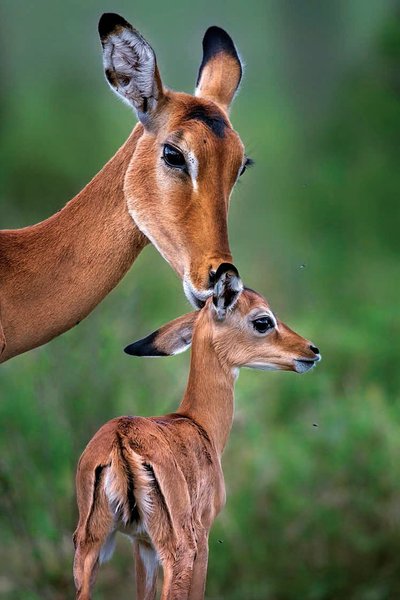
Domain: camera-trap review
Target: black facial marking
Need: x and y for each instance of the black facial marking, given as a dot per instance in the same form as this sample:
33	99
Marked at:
145	102
217	40
108	22
145	347
215	121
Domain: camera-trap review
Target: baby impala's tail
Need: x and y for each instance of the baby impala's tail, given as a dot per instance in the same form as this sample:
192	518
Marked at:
127	484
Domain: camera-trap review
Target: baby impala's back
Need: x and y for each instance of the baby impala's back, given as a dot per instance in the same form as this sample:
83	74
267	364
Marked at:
143	461
159	479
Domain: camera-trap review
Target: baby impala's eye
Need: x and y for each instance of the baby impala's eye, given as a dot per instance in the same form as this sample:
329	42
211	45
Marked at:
173	157
263	324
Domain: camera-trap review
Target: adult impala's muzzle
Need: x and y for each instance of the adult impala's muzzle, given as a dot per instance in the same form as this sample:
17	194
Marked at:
197	297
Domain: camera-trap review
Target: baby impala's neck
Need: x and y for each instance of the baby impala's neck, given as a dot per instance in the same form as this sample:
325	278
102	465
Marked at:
209	395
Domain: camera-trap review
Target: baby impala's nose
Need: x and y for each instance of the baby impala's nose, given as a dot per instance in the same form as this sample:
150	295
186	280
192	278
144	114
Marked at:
314	349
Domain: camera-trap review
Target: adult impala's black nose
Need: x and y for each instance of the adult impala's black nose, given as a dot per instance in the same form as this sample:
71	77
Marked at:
314	349
211	277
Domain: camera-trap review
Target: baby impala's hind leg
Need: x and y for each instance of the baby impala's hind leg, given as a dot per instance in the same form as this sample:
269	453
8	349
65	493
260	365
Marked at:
94	535
90	550
85	568
146	568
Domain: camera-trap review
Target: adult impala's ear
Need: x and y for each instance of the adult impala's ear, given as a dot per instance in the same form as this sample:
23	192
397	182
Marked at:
172	338
130	66
221	70
227	289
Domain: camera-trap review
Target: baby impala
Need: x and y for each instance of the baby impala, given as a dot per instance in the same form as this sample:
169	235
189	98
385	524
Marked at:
159	479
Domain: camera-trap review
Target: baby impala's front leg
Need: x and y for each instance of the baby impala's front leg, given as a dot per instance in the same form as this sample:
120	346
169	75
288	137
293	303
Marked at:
198	585
178	572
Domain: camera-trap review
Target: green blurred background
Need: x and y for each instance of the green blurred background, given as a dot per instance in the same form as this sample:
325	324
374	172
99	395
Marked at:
312	466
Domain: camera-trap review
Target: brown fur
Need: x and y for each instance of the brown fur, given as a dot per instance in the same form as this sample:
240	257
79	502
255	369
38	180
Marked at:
53	274
175	460
220	79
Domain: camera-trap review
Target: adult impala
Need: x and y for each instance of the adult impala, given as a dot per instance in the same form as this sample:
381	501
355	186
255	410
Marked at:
159	479
169	184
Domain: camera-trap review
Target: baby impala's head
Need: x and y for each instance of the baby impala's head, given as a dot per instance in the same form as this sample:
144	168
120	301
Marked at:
241	328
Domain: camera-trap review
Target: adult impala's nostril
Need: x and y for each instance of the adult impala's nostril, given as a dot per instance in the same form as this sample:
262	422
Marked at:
314	349
211	277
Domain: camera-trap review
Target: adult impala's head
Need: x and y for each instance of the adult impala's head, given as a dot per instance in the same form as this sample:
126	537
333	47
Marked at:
241	327
181	174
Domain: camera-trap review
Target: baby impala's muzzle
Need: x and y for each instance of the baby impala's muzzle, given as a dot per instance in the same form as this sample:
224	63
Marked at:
302	365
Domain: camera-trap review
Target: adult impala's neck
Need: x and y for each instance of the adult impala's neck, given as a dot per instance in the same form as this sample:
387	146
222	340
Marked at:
54	273
209	395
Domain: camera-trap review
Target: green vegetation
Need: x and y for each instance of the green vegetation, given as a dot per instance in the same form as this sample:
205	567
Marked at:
312	466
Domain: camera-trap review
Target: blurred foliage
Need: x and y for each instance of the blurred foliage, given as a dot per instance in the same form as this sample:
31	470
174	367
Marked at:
312	468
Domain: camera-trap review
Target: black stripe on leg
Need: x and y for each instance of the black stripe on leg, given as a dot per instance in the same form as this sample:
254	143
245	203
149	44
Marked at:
96	486
132	506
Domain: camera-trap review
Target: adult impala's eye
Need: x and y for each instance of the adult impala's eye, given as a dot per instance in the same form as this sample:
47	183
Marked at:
263	324
173	157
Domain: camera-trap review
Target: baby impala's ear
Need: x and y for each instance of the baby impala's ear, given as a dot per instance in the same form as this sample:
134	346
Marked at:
227	289
130	67
172	338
